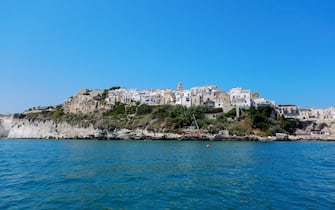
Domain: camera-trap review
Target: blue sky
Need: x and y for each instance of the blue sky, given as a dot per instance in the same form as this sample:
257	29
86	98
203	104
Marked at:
49	50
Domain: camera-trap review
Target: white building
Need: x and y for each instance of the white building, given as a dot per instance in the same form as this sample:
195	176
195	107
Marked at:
323	114
262	102
240	97
168	97
288	110
155	97
222	99
204	89
116	96
183	98
305	113
210	96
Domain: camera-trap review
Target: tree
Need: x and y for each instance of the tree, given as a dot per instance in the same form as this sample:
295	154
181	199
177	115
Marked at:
115	88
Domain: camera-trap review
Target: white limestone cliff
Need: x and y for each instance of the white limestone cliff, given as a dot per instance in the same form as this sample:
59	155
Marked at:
5	125
23	128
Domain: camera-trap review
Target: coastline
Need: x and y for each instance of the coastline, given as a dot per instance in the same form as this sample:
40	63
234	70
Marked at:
125	134
44	128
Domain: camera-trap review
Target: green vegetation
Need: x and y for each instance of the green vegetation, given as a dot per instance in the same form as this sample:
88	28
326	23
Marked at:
117	110
231	113
58	113
179	116
115	88
143	109
261	121
264	121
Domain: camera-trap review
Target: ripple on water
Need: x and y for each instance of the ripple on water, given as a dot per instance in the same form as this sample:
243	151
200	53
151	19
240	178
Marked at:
166	175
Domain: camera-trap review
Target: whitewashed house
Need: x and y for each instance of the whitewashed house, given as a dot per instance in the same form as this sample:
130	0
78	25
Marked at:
168	97
155	97
183	98
222	99
240	97
305	113
288	110
116	96
262	102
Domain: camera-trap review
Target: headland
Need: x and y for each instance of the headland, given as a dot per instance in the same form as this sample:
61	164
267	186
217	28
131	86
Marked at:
201	113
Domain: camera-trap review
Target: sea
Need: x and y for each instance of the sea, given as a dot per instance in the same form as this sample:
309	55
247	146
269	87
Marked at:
98	174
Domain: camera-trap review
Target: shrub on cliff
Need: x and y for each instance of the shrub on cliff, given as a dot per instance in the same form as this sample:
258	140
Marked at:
143	109
231	114
118	109
162	111
289	125
262	117
57	113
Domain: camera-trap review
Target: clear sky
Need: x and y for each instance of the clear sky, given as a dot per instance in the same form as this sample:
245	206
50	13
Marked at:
50	49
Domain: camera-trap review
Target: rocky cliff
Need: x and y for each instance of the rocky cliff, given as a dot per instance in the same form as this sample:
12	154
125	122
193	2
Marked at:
24	128
16	127
49	129
5	125
86	101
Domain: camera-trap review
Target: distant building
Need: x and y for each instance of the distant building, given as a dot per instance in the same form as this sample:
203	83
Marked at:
116	96
209	95
222	99
168	97
254	95
240	97
288	110
262	102
306	113
183	98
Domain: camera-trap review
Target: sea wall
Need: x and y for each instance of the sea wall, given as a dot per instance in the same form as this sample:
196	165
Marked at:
5	125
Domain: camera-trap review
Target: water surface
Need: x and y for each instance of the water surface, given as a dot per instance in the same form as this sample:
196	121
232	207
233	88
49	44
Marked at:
75	174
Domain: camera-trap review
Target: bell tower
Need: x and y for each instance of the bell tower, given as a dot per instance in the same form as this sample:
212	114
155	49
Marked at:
180	86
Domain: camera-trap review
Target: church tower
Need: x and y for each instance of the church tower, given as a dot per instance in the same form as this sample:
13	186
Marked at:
180	87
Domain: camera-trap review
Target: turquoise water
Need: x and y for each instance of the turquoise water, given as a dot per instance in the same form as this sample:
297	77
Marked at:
75	174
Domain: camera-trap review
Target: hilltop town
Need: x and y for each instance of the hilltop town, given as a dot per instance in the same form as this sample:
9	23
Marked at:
210	96
207	109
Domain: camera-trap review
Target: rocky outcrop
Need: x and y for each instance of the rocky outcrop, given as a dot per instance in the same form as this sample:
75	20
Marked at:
86	101
140	134
5	125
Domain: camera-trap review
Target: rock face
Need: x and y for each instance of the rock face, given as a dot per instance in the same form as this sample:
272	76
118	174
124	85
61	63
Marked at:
86	101
23	128
48	129
5	125
18	126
